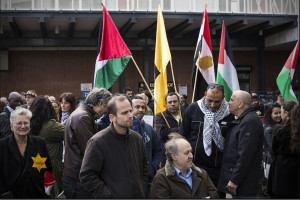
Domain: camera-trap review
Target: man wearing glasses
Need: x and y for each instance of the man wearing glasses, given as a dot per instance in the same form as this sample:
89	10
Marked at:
204	125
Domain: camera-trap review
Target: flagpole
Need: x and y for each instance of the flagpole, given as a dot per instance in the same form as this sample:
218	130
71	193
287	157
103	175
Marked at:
150	91
175	86
195	82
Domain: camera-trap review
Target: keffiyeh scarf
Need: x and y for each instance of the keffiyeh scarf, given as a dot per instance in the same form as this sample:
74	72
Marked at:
211	129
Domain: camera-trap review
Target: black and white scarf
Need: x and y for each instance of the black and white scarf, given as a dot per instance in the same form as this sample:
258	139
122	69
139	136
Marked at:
64	117
211	129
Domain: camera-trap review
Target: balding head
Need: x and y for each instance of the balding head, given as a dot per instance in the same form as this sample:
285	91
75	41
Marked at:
14	100
239	102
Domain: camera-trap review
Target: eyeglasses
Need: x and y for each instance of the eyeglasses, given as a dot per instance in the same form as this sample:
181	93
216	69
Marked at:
64	103
213	85
19	124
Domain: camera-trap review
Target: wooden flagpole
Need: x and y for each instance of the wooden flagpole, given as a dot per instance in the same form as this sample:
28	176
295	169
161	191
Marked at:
175	87
195	81
150	91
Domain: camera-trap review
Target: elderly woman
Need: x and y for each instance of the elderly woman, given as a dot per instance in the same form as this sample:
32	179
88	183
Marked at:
23	160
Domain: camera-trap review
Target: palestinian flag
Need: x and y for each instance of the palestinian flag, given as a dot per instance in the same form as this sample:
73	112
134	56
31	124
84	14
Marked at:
226	74
114	54
286	75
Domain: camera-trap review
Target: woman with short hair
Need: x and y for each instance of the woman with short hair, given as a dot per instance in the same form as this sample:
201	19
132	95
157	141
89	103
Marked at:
23	160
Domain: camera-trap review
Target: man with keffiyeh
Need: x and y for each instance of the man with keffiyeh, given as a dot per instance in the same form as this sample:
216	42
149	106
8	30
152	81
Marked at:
204	125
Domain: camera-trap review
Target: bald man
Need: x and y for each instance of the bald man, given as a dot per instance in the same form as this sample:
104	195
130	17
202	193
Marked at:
14	100
240	171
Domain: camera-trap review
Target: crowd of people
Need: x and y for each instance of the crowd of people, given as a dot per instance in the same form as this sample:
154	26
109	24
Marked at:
112	146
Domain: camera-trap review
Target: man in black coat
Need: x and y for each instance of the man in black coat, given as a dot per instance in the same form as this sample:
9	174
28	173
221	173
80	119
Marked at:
243	149
204	125
115	164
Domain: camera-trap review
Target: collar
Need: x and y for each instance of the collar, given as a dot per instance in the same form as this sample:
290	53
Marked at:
91	110
117	135
170	170
9	109
246	112
179	173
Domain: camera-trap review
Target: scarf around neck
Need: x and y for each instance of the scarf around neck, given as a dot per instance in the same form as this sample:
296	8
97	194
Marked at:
64	117
211	129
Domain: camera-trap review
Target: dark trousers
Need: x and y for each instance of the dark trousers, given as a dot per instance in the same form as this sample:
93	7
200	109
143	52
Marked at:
74	190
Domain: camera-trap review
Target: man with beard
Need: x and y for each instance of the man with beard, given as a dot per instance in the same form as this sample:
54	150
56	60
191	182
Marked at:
173	118
204	125
14	100
114	164
180	178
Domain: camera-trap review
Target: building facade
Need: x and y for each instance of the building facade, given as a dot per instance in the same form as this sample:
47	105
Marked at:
51	45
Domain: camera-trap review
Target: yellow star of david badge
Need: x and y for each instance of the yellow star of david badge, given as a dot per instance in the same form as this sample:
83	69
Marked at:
39	162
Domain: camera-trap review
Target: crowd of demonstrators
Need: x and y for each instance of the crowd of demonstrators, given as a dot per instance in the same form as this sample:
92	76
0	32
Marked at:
205	124
283	181
112	152
23	160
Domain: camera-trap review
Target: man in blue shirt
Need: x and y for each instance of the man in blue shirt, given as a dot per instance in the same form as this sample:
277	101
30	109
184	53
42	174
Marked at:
180	178
150	137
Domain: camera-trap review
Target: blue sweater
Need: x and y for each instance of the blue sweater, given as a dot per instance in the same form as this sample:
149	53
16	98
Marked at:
153	146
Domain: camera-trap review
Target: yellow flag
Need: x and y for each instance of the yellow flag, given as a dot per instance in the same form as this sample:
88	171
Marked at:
162	57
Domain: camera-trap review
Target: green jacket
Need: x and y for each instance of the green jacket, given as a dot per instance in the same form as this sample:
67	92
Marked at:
53	132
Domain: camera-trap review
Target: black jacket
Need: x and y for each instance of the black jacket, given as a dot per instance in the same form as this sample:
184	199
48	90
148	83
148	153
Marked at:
192	129
4	123
268	133
162	127
242	155
283	181
114	165
12	165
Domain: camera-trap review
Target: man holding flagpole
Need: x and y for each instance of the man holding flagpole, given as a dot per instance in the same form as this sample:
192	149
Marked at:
206	121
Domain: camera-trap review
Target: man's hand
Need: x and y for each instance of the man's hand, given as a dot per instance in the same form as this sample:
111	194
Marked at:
231	187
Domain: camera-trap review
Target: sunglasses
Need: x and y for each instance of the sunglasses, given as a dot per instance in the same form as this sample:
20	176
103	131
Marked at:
213	85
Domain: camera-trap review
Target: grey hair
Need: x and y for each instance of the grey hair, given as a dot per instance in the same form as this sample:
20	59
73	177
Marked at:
20	111
13	95
98	95
171	145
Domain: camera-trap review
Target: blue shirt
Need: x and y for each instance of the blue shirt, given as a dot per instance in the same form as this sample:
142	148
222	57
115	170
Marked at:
187	178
